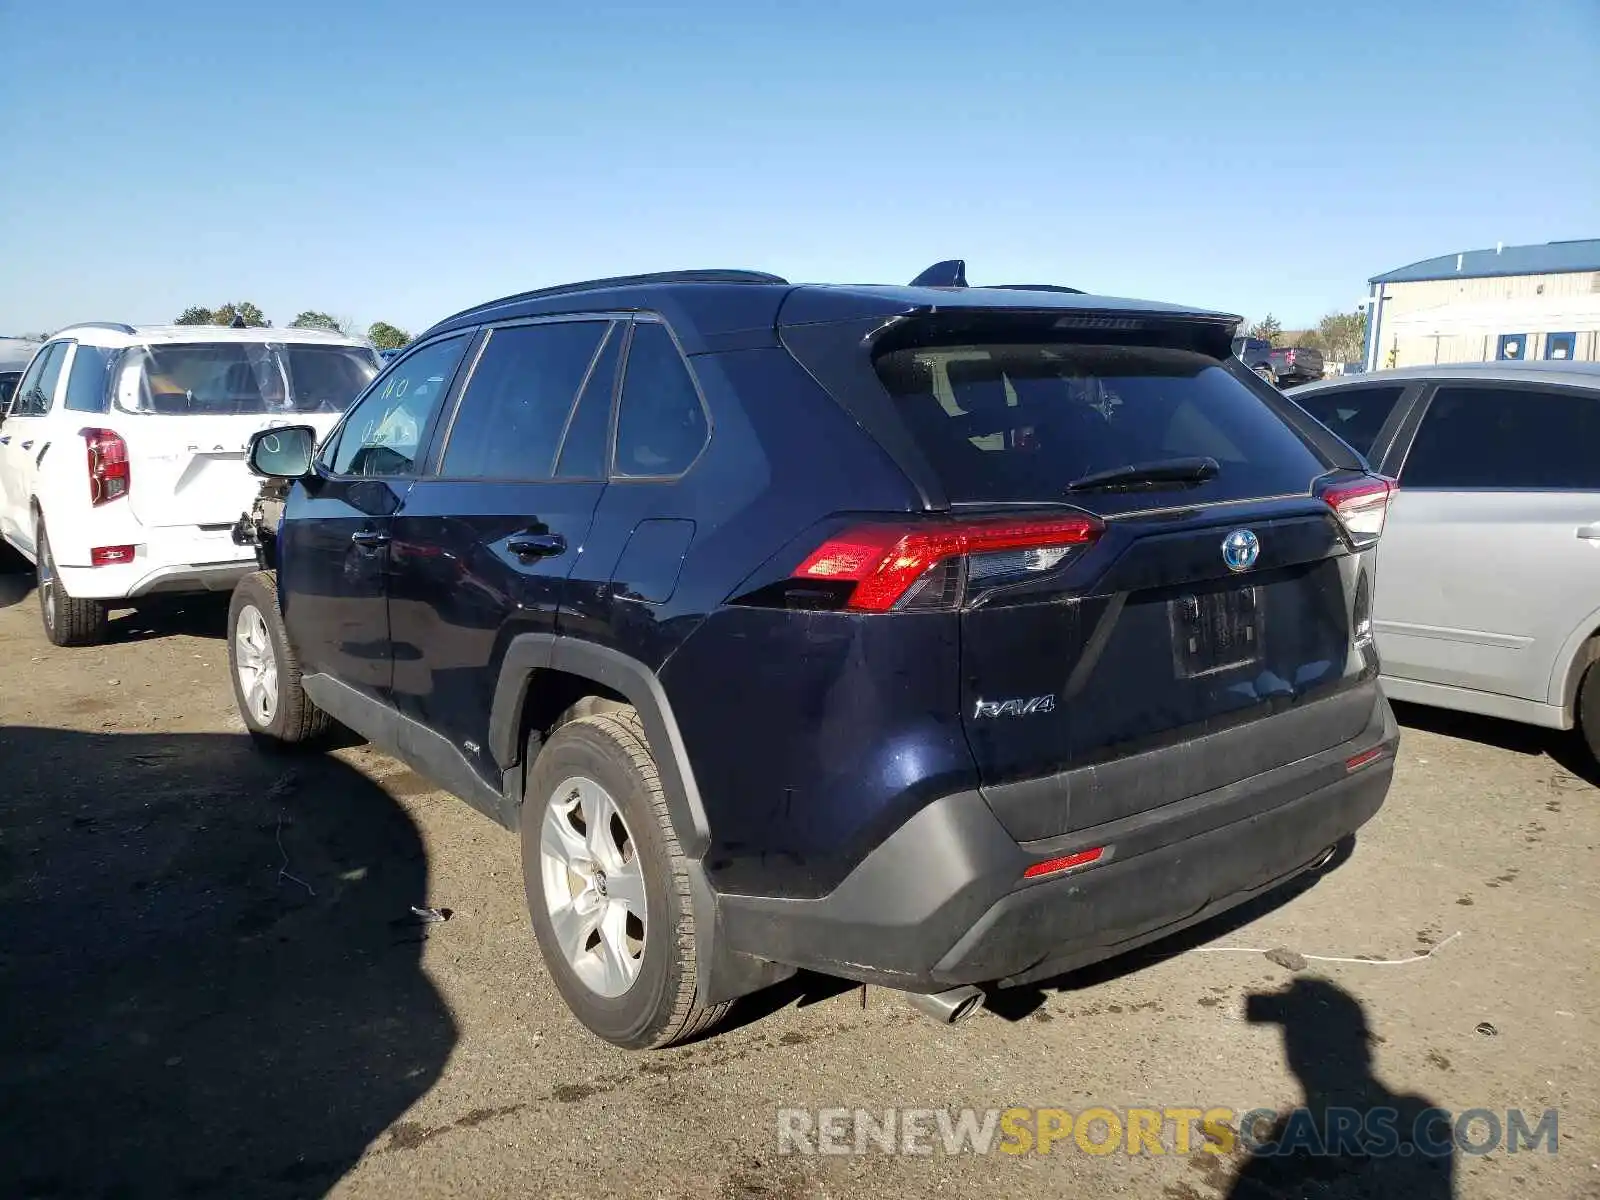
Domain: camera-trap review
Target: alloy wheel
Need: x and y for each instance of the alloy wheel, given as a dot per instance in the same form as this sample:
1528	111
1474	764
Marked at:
594	886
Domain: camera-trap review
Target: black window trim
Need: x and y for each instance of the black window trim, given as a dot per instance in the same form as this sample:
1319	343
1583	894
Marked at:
1419	414
615	476
435	459
323	463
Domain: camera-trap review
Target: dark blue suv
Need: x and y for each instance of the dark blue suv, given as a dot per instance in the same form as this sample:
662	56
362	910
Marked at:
935	636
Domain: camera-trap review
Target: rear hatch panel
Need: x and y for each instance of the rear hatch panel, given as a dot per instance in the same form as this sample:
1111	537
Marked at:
1148	639
1158	645
191	470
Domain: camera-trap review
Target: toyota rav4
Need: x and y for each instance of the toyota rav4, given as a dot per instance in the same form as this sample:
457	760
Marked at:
938	637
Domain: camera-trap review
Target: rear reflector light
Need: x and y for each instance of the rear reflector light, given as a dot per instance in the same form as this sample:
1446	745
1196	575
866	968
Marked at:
1361	507
109	476
930	566
1363	759
1051	866
106	556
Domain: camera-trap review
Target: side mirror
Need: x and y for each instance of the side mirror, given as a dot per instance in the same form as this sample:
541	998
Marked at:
283	453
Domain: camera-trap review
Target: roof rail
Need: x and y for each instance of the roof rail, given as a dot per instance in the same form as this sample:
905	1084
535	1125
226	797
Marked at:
114	326
1034	287
619	281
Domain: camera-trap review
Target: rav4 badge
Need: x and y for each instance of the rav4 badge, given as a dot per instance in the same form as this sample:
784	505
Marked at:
1014	708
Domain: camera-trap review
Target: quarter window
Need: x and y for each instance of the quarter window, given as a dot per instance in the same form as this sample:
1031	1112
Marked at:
511	416
1356	414
1507	438
661	424
89	381
383	434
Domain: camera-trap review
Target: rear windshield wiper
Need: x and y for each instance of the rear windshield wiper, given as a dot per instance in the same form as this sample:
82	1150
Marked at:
1135	476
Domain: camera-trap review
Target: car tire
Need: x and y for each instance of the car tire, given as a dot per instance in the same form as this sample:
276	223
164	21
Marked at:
68	621
626	955
1589	709
265	669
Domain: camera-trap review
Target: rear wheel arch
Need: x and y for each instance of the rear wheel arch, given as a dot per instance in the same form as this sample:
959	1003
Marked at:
583	669
1582	649
608	676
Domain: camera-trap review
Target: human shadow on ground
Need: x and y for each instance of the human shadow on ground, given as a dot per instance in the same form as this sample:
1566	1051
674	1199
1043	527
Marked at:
211	966
1353	1139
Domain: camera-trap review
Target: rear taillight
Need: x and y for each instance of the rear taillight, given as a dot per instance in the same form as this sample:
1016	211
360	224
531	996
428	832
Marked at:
109	477
1361	507
939	565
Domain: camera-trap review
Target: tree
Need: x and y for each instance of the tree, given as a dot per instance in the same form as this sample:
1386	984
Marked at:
1267	329
195	315
387	337
317	320
1343	336
254	318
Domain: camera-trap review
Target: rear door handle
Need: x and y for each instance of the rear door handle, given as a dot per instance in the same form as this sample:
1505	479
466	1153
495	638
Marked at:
28	445
1590	532
6	440
369	537
537	545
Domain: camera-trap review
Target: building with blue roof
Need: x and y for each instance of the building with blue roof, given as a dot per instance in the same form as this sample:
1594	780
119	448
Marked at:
1508	302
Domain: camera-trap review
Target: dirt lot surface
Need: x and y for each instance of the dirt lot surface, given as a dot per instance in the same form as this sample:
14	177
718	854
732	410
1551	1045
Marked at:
214	986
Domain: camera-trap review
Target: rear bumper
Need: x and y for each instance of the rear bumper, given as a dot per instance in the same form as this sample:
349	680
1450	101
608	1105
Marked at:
166	561
943	901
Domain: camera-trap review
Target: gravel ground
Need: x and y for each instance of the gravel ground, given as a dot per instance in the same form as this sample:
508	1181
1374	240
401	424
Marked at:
216	988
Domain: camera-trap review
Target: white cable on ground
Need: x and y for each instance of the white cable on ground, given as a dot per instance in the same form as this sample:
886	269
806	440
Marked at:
283	871
1364	962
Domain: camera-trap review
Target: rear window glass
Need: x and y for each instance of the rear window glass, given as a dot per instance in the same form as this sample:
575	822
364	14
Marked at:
241	378
1021	421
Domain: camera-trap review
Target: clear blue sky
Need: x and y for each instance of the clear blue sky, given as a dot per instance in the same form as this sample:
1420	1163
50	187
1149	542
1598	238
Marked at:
399	161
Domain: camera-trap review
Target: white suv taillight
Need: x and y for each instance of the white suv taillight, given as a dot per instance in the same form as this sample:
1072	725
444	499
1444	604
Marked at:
1361	506
109	476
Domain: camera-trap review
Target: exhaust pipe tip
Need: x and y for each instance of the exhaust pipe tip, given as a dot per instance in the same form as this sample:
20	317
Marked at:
1326	857
947	1007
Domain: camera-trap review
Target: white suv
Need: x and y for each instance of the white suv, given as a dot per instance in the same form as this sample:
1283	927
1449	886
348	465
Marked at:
122	455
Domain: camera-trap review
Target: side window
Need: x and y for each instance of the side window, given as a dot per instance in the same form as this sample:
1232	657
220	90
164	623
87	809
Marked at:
1506	438
583	446
383	433
38	387
88	383
661	424
1356	414
509	421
